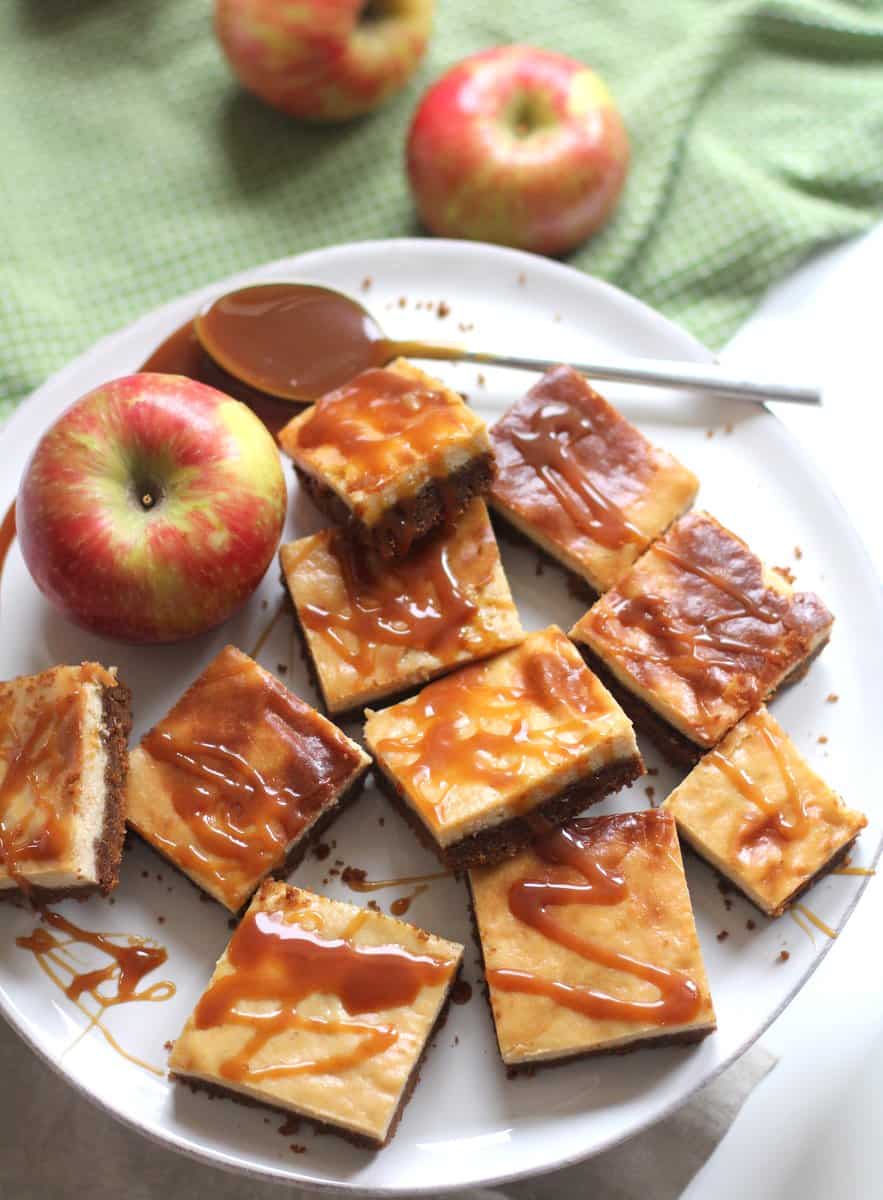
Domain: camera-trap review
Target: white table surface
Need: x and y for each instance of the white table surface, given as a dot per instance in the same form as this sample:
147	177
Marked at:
812	1130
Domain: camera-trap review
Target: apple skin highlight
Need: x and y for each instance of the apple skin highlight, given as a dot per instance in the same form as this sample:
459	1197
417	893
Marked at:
151	509
324	60
518	146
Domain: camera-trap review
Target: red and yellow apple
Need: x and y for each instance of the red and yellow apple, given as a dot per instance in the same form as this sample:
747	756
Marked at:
323	60
152	508
518	146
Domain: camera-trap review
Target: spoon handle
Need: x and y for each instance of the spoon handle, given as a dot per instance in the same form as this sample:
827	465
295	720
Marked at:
656	372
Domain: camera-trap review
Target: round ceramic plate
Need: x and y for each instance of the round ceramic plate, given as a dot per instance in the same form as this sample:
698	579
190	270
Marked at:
466	1123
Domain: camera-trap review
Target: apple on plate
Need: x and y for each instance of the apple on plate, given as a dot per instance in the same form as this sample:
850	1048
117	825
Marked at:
151	509
324	60
518	146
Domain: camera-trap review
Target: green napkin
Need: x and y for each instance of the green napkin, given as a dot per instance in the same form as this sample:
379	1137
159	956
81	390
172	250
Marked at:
134	168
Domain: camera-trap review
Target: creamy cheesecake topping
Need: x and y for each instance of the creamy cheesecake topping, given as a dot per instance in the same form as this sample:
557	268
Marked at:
480	726
41	759
384	422
756	809
276	962
430	602
593	849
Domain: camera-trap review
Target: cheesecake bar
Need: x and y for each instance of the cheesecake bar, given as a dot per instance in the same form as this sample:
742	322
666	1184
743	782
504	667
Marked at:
374	629
579	480
322	1009
390	455
761	816
697	634
237	779
63	758
475	758
589	942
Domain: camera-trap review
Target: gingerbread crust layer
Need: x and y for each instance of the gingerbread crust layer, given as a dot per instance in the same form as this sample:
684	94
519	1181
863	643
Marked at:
490	846
402	526
676	747
116	725
295	855
217	1090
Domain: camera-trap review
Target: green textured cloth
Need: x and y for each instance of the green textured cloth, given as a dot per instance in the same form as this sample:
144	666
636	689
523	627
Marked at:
134	168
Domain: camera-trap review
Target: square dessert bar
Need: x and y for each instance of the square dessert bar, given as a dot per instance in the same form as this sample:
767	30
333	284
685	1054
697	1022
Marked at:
581	481
476	758
589	942
63	758
697	634
237	779
322	1009
390	455
761	816
374	628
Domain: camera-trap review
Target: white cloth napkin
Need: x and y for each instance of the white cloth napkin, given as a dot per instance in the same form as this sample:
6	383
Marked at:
54	1144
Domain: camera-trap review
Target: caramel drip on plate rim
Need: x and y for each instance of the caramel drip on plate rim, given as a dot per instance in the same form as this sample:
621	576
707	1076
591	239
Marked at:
426	607
276	963
548	447
470	730
598	861
128	965
33	760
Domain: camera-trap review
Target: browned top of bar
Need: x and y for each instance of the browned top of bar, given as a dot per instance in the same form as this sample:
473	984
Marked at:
698	623
570	461
246	766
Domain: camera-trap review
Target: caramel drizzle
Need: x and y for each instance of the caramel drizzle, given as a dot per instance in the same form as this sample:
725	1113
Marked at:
702	655
34	761
469	730
356	880
424	606
128	966
556	430
276	964
598	860
380	422
799	913
264	635
7	535
239	816
788	822
402	904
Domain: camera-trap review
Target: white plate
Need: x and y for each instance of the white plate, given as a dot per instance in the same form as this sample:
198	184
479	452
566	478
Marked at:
466	1124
